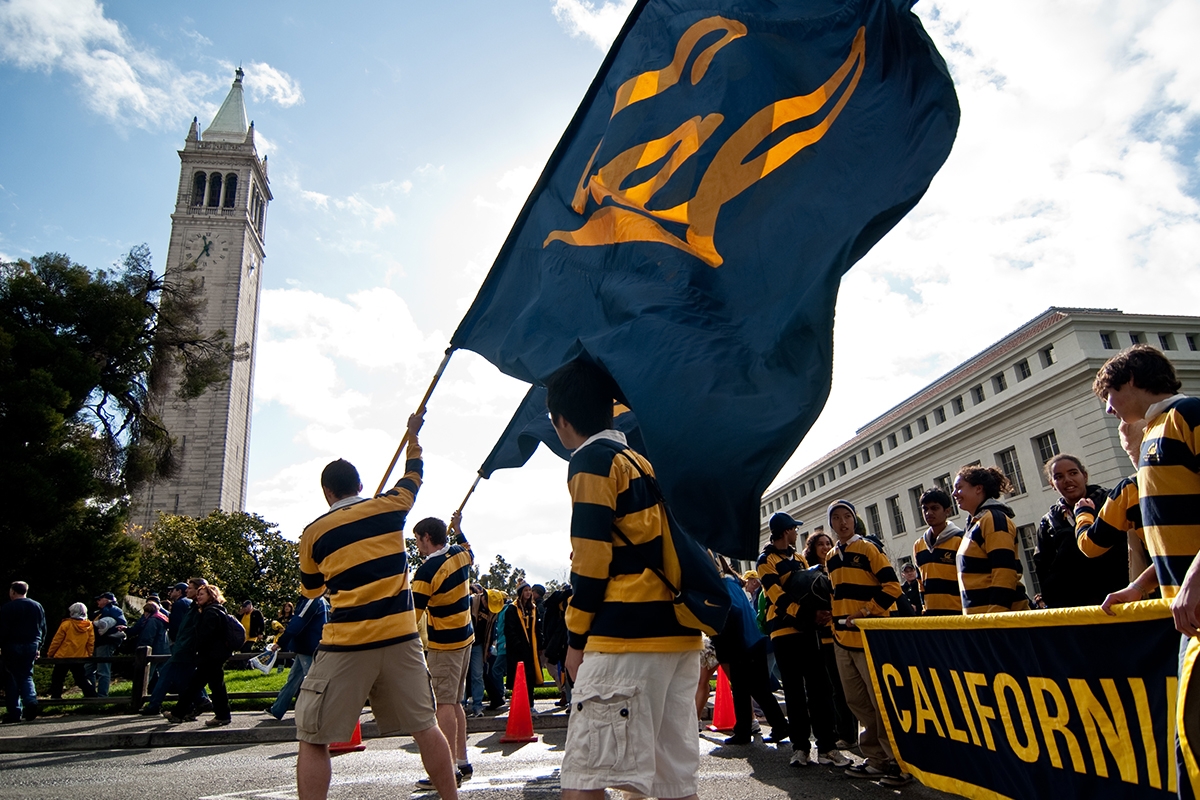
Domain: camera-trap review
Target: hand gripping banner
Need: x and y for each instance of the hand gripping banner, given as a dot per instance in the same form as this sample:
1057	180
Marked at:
1064	703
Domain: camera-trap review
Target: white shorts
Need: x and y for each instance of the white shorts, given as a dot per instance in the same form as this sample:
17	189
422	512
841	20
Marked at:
633	724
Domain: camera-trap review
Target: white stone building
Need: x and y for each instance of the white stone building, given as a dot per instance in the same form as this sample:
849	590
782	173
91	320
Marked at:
220	224
1016	404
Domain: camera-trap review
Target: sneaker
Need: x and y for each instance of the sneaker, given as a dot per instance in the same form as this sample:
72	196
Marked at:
864	770
465	773
738	740
174	720
895	777
834	757
799	758
475	714
216	722
426	785
842	744
150	711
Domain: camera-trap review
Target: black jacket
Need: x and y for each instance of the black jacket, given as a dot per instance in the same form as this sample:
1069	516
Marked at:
1065	575
212	634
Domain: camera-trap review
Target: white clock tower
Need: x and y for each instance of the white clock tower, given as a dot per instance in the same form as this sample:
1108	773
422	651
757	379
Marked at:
220	223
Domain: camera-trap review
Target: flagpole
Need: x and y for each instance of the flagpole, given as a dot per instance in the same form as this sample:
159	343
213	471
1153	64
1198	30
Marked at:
463	504
420	409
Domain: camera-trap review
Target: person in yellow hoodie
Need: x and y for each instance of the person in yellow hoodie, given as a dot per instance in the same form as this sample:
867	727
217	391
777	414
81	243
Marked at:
75	638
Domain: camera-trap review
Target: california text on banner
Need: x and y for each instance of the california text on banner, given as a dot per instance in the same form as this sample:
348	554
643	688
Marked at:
1069	703
728	164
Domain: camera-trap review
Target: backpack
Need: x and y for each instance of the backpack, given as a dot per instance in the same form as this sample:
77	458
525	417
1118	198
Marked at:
812	590
701	601
235	634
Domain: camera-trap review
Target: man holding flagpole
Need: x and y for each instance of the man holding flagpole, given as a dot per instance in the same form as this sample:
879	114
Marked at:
369	647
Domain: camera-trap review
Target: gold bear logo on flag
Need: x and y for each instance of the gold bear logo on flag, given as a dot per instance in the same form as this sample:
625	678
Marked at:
729	174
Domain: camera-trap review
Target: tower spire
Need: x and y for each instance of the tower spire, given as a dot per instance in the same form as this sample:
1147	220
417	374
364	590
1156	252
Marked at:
230	123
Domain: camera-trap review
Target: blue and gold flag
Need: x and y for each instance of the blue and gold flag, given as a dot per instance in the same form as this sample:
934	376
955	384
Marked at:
729	163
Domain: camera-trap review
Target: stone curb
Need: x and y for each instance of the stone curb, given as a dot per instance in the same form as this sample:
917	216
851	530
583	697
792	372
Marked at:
216	737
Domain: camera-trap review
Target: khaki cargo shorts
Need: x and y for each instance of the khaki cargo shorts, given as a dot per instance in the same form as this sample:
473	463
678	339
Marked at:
449	670
633	724
394	678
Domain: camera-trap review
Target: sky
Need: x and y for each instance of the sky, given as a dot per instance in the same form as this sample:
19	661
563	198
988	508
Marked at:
403	139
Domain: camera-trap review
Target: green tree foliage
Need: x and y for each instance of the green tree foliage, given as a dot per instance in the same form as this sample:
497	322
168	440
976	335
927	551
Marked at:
503	576
83	356
242	553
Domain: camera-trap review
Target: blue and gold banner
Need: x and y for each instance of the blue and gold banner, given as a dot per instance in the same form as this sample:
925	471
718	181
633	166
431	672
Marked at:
729	163
1068	703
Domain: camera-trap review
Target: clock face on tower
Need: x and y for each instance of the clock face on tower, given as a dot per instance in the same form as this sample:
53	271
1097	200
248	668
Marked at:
206	247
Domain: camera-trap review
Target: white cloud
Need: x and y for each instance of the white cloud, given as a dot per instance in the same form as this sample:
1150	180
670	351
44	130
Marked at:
267	83
379	216
200	39
118	79
599	24
316	198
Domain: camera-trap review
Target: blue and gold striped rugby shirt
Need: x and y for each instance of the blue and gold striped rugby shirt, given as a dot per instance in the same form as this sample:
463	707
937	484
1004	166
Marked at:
989	570
863	579
619	604
357	552
1168	481
1097	532
937	564
775	567
443	585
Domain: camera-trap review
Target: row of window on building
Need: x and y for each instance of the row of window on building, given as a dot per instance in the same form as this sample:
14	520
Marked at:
1111	340
958	405
217	190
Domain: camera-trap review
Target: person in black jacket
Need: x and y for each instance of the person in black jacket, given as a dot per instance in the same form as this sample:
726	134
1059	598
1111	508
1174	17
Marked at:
255	625
1066	576
554	629
212	651
523	636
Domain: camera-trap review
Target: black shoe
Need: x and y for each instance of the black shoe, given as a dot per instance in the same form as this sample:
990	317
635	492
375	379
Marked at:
738	740
203	707
150	711
31	713
465	773
776	738
11	718
426	785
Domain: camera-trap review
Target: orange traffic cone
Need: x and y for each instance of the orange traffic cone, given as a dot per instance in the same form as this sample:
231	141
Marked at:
520	721
353	746
724	719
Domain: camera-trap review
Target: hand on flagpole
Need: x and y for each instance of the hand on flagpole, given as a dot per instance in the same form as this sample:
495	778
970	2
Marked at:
415	421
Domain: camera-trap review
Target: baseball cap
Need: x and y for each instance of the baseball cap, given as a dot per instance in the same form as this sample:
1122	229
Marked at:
781	521
181	586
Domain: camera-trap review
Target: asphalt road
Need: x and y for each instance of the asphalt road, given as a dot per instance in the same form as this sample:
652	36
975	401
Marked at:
388	768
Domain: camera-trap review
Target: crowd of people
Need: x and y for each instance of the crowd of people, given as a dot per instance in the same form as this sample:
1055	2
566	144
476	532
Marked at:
430	648
190	626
